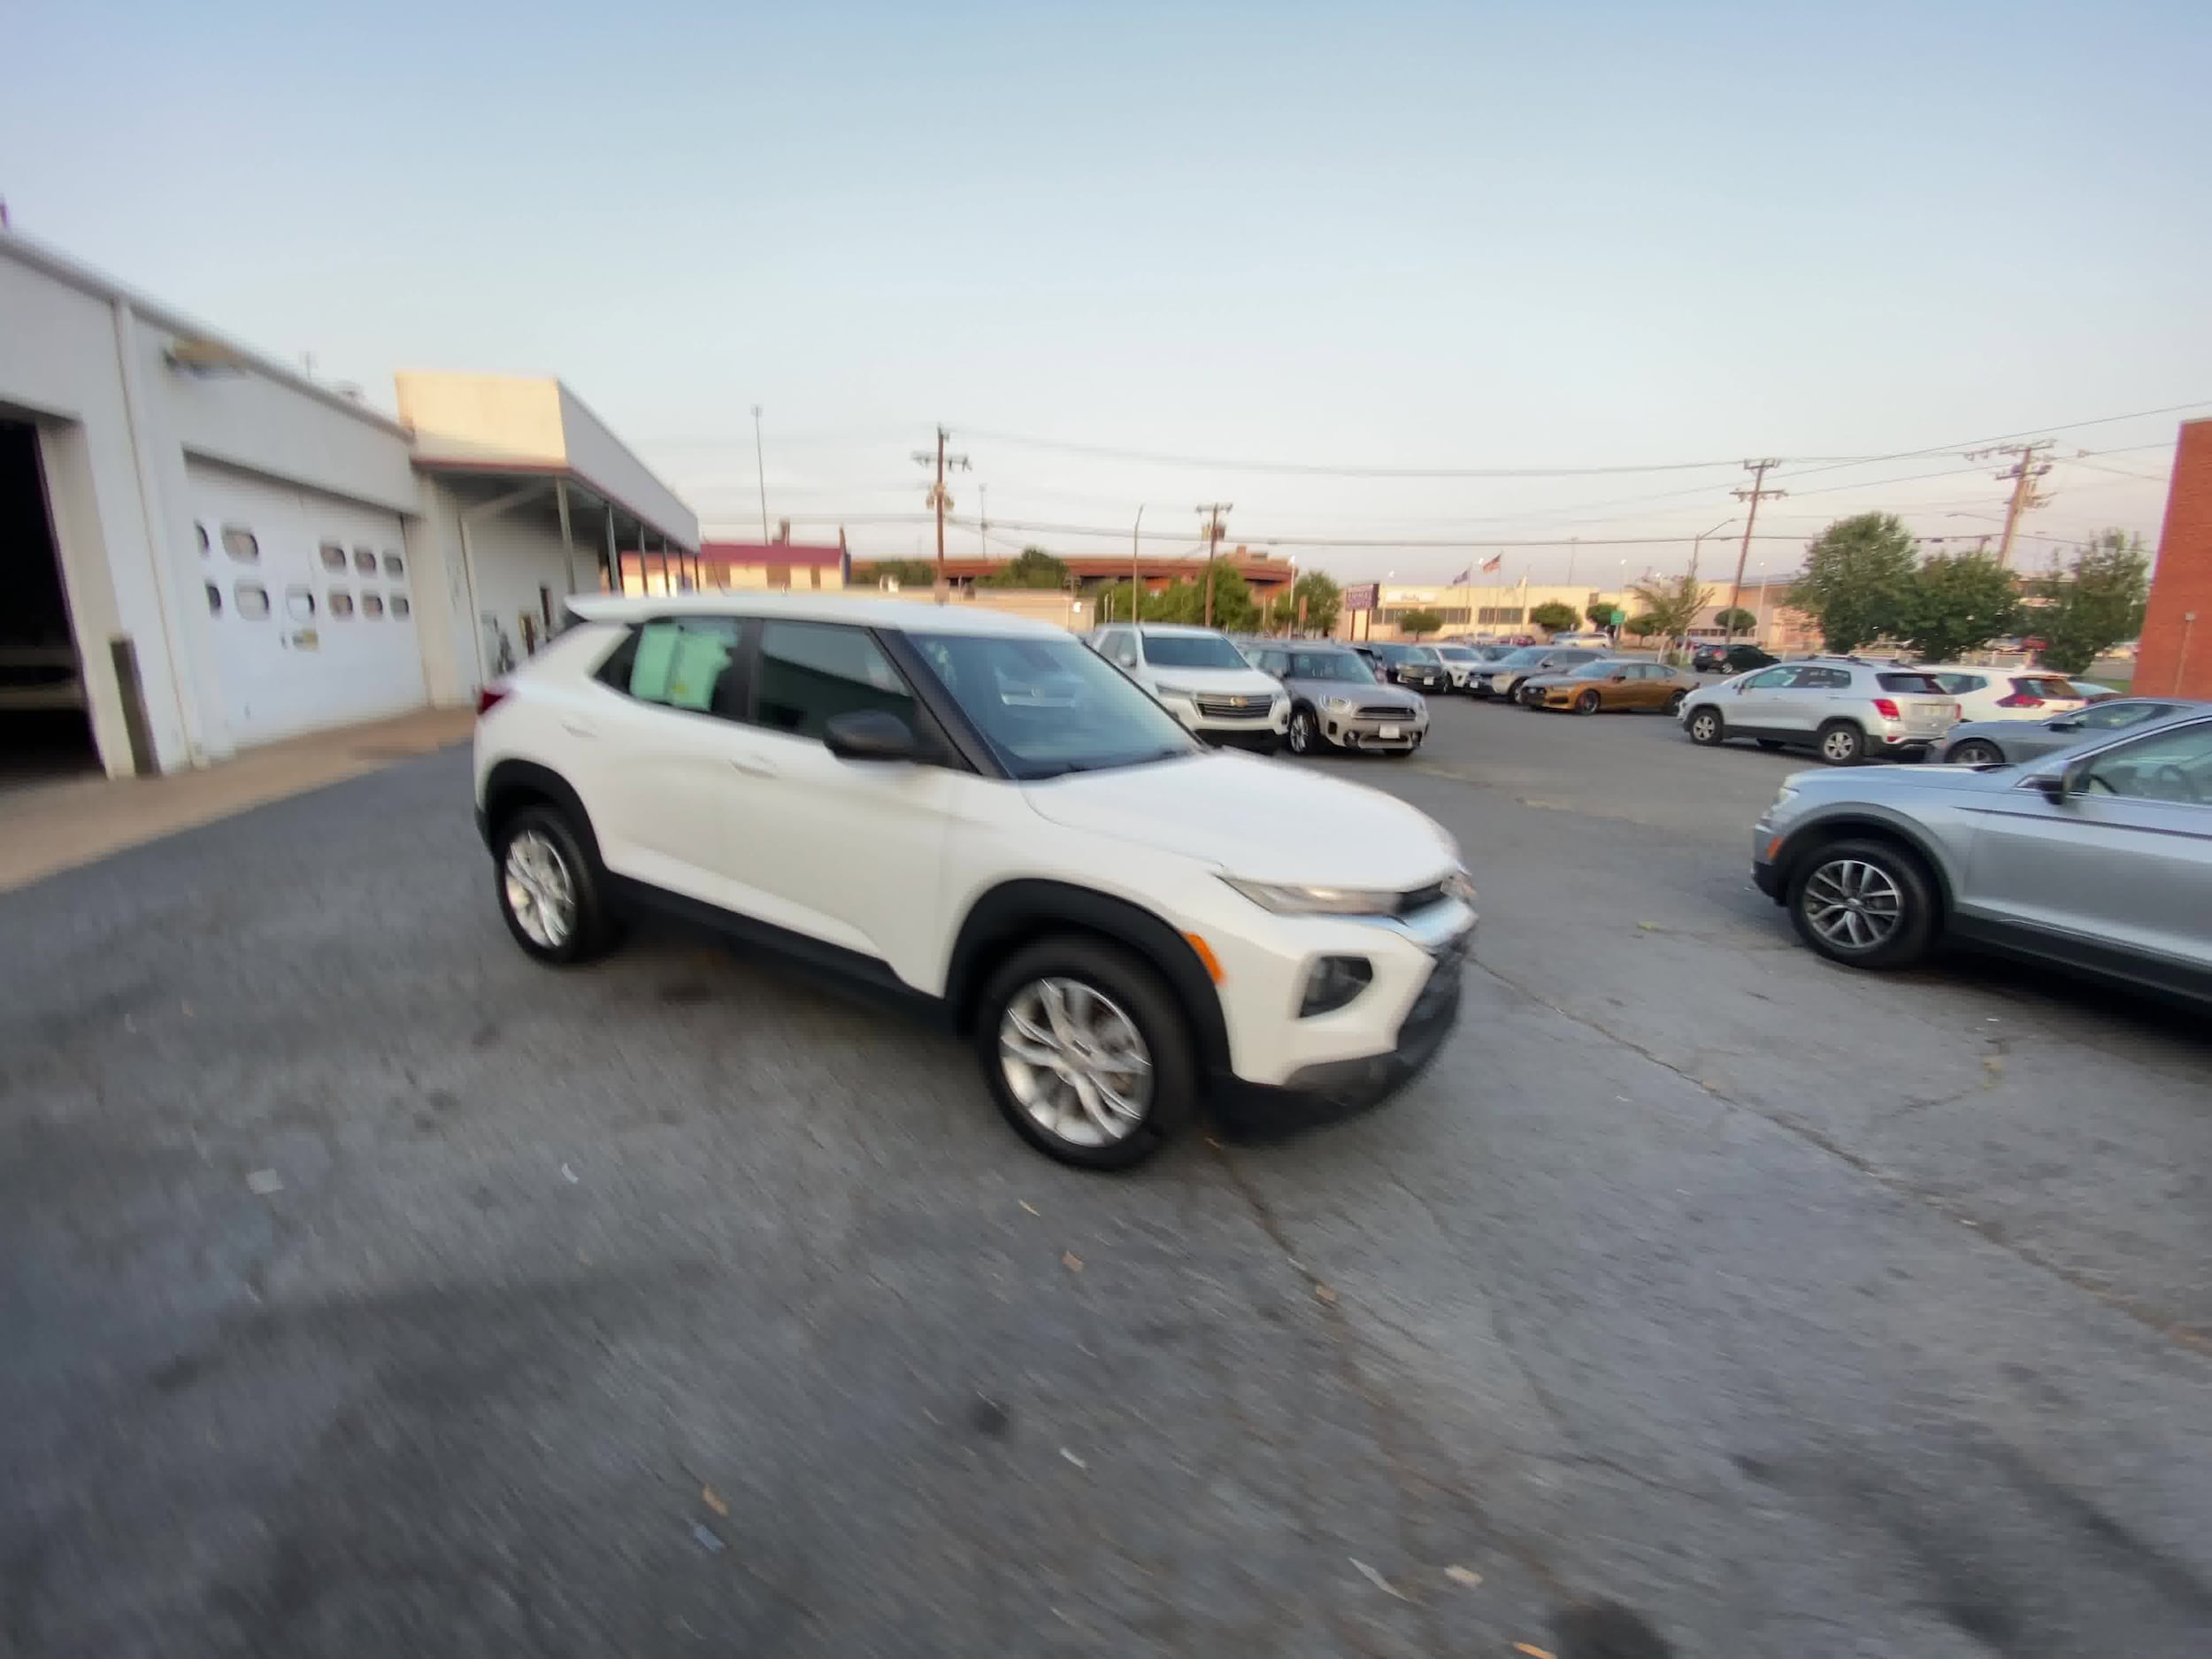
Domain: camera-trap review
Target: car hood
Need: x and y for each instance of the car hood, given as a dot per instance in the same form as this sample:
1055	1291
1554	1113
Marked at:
1886	780
1248	682
1321	690
1256	819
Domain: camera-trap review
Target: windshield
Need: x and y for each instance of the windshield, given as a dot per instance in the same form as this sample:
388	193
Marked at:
1192	650
1594	671
1920	684
1347	666
1418	654
1455	653
1526	655
1048	706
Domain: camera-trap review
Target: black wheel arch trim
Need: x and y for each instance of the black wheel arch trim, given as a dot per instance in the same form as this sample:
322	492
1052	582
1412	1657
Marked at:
512	778
1026	908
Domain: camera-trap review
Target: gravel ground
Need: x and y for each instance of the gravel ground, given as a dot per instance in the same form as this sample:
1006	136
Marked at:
678	1304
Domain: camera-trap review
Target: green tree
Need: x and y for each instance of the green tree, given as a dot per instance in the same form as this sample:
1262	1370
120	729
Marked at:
1032	567
906	572
1553	617
2085	611
1734	620
1643	625
1957	604
1857	574
1671	602
1601	615
1324	601
1416	623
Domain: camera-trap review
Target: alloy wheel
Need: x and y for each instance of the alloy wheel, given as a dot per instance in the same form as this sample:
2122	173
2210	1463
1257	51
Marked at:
1302	733
1855	905
1840	747
1076	1061
538	889
1974	752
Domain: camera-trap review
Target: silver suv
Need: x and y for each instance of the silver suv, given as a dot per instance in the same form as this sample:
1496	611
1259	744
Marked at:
1841	709
2098	859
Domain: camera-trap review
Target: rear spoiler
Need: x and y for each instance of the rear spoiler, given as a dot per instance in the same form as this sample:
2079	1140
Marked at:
592	607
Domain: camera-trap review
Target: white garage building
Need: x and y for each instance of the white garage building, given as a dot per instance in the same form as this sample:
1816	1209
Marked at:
202	549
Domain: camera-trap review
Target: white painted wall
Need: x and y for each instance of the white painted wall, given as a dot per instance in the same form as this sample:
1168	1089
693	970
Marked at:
599	458
511	554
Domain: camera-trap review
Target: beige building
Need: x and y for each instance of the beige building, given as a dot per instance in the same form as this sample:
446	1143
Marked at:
1497	609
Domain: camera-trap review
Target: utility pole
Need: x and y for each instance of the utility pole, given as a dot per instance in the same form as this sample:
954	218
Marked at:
1751	497
2031	461
983	519
1213	510
1136	577
940	500
760	471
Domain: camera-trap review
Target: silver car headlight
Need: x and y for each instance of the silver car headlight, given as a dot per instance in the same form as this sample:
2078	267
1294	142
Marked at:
1336	705
1782	798
1296	901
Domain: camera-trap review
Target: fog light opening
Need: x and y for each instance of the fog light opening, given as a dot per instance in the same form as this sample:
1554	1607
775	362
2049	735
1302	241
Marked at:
1332	982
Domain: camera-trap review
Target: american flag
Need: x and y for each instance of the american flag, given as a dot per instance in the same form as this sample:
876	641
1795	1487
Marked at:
1495	561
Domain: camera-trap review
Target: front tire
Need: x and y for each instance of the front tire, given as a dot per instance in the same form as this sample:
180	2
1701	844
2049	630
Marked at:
1588	703
551	893
1706	728
1674	703
1842	743
1304	736
1865	904
1974	751
1085	1052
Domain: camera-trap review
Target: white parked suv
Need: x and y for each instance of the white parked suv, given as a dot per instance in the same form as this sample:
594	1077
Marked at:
1203	681
2006	694
977	814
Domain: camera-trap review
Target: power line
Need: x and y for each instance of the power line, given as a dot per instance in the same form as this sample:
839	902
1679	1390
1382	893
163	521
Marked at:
1153	458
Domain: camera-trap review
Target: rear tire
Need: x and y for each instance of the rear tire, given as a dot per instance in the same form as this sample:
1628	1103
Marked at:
1864	904
1706	728
1674	703
1973	751
1120	997
1841	743
551	891
1588	703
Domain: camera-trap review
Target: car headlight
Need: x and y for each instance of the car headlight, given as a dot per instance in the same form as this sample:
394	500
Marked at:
1296	901
1336	705
1164	690
1461	885
1782	797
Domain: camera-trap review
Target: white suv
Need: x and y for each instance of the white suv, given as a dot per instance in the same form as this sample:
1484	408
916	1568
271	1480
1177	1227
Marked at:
976	813
1203	679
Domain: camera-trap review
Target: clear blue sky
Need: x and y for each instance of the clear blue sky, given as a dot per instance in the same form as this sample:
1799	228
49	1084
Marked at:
1387	236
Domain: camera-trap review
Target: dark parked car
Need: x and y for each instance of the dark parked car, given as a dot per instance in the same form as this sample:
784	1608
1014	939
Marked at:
1730	659
2011	742
1415	665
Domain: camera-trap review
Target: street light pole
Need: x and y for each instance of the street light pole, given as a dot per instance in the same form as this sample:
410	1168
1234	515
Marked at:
1136	577
760	471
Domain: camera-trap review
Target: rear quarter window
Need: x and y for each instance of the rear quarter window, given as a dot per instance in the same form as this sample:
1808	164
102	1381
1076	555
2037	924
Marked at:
1911	685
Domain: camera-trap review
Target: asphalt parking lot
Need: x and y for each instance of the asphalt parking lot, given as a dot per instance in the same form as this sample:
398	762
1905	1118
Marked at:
674	1305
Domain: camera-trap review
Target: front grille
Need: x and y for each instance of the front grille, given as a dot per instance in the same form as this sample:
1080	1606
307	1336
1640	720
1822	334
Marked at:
1384	711
1233	707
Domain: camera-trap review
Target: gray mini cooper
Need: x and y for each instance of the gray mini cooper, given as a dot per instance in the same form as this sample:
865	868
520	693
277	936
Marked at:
1337	702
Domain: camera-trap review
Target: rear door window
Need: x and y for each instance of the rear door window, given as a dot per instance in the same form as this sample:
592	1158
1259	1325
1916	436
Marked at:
2048	687
1823	679
690	662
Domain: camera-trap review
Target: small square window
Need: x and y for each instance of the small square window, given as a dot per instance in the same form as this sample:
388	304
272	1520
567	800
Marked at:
214	600
372	604
400	606
239	543
333	556
299	603
253	600
394	566
365	560
341	603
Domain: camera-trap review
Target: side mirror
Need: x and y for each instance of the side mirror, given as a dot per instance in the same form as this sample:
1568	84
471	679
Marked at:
870	734
2070	723
2054	786
1620	680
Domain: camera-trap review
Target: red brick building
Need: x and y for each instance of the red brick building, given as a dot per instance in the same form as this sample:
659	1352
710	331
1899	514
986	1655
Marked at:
2177	654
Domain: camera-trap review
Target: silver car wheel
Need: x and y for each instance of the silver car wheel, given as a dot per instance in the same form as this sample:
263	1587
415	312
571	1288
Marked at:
1302	732
540	894
1975	752
1839	746
1853	904
1076	1061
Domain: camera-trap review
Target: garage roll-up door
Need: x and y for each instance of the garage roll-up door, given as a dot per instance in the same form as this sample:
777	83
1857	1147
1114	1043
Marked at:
312	602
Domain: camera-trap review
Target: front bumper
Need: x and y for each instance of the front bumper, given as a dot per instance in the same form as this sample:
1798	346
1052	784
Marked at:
1495	685
1254	730
1360	731
1328	1091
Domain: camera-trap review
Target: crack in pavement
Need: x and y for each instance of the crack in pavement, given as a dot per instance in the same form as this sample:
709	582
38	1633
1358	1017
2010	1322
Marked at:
2174	1331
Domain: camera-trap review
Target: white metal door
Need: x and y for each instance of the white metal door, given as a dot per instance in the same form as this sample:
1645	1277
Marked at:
312	602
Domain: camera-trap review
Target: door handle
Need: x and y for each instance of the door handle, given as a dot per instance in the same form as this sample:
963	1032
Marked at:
753	766
579	728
